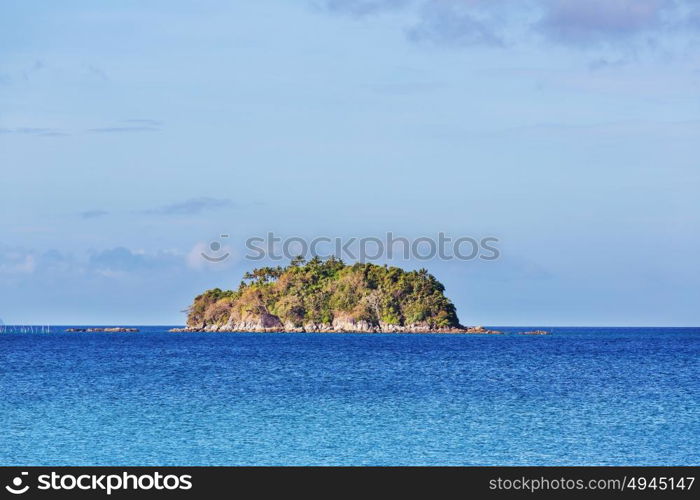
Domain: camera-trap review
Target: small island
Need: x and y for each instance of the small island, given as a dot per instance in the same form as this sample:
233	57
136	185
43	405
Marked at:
329	296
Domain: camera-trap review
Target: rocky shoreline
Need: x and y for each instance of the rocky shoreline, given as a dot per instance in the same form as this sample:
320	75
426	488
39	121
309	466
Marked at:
335	327
340	327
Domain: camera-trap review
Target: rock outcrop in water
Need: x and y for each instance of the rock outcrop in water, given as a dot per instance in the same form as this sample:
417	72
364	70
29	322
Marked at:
111	329
329	296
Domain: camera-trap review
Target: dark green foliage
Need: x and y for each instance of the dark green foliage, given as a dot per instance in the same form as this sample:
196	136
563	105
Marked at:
318	291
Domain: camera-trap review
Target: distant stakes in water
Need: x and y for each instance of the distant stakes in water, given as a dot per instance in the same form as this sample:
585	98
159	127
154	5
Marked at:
24	328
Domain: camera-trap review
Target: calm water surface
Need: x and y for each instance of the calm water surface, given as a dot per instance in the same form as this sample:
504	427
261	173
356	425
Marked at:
580	396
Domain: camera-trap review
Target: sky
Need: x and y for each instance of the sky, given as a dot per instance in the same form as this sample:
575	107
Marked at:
134	134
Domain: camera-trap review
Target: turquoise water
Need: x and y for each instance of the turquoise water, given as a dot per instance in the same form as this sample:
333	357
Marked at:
580	396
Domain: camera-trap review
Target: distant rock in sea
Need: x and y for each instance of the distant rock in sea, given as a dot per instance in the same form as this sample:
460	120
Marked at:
108	329
535	332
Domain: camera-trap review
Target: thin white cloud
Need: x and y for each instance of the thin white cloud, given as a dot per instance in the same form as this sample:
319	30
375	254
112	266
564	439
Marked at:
93	214
192	206
360	7
17	262
127	129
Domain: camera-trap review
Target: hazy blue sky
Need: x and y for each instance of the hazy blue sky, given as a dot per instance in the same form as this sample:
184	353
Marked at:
134	133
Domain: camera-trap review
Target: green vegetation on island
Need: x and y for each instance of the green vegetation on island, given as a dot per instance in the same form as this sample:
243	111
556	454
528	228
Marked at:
328	295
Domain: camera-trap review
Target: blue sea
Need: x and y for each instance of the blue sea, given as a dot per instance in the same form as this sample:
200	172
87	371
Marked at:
581	396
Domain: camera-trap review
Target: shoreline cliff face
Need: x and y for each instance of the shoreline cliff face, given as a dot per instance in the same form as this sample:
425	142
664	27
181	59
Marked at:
329	296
